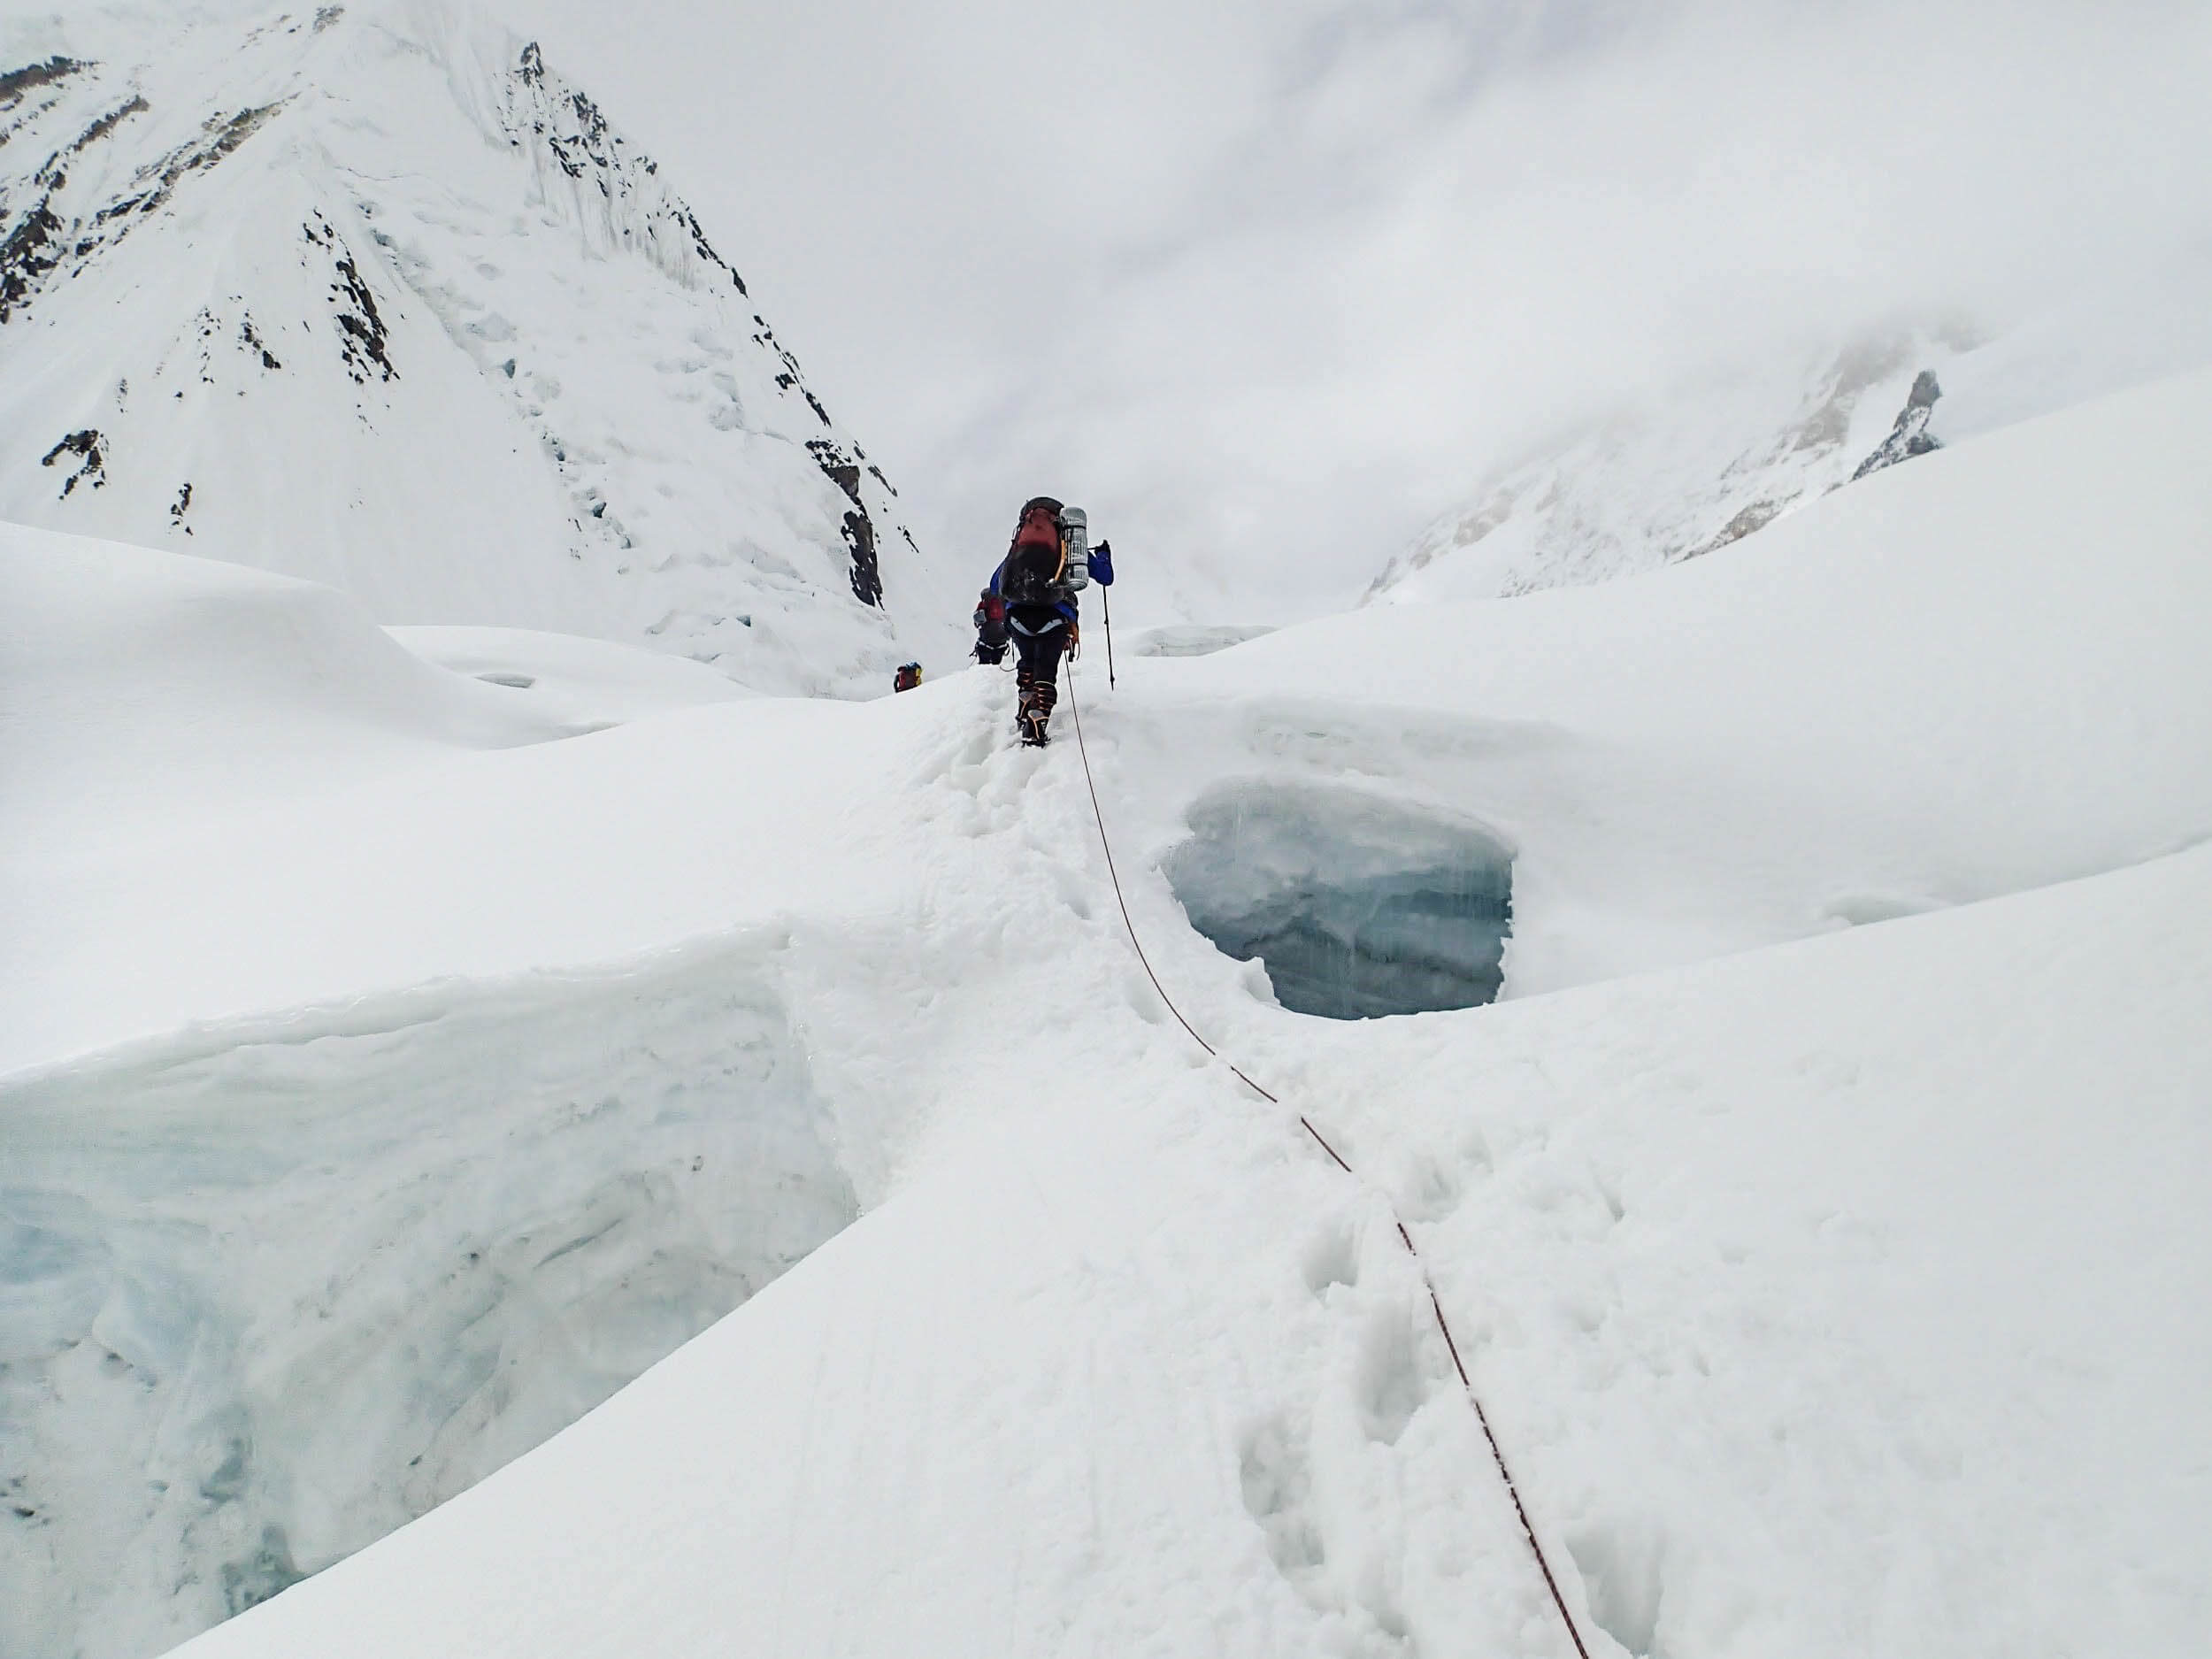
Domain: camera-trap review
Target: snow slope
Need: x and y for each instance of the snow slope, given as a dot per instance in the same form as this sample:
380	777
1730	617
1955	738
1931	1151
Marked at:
144	688
1816	1301
592	681
1832	1301
1744	751
372	294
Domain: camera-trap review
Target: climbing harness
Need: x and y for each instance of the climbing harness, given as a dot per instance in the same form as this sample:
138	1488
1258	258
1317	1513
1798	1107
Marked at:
1436	1305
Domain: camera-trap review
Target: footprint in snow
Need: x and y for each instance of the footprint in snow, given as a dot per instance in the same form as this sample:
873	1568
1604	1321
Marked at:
1332	1258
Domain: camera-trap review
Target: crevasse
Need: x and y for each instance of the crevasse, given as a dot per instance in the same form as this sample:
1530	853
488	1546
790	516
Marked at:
1355	907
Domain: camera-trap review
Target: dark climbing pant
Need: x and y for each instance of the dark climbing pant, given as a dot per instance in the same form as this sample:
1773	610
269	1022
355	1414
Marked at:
1041	634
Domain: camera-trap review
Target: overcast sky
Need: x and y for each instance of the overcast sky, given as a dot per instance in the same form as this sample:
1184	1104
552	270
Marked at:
1267	284
1281	278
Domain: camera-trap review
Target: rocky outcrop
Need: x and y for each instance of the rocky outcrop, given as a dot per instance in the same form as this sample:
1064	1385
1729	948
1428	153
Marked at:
859	530
91	461
1911	436
1757	516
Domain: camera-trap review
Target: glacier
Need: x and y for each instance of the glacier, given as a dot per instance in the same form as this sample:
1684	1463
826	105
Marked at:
1833	1129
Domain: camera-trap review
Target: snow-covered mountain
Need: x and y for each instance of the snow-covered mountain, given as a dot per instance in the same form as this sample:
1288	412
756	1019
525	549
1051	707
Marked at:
1676	476
372	294
354	1137
1656	484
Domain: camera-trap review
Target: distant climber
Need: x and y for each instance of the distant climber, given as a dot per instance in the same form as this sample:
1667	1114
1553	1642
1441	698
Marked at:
1031	603
908	676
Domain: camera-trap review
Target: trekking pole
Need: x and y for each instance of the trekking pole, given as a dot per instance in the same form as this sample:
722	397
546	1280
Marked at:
1106	599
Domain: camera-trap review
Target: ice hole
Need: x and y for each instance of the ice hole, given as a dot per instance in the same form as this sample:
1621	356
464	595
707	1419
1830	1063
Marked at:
1355	907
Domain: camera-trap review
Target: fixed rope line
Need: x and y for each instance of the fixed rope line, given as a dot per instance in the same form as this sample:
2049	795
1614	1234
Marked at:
1436	1303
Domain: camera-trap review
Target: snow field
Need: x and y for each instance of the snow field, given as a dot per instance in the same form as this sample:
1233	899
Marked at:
1816	1306
1954	680
1796	1340
145	692
587	684
1837	1294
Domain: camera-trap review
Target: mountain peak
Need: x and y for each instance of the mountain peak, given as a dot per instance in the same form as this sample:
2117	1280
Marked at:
1679	479
383	271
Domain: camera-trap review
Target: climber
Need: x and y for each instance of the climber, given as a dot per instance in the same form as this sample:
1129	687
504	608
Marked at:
1031	600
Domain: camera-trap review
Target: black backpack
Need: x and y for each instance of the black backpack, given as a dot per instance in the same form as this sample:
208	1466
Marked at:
1036	563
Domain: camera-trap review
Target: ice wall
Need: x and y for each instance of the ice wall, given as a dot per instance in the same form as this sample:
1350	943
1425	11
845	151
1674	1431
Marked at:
1355	906
267	1294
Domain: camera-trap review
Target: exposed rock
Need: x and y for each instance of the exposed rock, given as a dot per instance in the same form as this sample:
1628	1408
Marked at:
860	537
362	326
42	242
1911	436
576	133
860	530
108	123
30	252
1757	516
16	82
251	337
92	462
836	468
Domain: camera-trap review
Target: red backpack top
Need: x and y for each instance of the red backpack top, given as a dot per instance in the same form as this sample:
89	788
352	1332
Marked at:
1037	559
1039	527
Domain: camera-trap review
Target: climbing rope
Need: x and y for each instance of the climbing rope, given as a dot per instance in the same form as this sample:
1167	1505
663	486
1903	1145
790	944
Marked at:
1436	1304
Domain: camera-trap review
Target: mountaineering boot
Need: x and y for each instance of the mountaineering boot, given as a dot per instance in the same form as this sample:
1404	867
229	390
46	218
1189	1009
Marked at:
1035	713
1024	693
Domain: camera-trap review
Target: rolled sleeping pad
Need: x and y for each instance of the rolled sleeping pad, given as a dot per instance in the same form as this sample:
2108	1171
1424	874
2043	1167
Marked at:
1075	547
